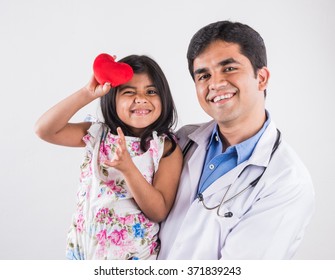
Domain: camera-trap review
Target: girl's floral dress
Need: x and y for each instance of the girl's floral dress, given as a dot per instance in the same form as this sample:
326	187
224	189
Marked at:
107	223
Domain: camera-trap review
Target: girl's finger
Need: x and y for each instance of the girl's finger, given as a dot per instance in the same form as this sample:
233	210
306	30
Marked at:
118	153
106	88
108	163
122	138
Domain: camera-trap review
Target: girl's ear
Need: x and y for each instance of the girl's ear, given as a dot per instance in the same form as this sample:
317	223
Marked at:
263	76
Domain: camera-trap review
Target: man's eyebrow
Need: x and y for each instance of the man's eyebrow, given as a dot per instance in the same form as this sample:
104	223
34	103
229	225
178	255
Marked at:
200	71
221	63
228	61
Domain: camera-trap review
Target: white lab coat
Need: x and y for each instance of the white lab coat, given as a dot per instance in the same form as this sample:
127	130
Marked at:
268	220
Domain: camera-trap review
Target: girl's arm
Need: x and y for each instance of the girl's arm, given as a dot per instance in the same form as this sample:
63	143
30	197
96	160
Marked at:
157	199
54	127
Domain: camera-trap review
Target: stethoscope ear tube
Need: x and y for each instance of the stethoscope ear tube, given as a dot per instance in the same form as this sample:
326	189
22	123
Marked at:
187	147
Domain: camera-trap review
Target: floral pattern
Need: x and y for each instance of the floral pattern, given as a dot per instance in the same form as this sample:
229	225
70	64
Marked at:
107	223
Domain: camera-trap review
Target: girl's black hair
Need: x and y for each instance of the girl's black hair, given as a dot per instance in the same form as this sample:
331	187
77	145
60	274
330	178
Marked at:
164	124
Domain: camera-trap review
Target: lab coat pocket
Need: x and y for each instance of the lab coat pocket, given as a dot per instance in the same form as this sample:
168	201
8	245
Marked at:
227	219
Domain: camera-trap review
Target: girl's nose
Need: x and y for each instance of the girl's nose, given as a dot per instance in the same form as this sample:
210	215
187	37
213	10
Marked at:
140	98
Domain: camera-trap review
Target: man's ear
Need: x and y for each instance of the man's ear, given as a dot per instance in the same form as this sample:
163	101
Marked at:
263	76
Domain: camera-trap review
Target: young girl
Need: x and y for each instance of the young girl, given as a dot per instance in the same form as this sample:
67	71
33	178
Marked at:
131	168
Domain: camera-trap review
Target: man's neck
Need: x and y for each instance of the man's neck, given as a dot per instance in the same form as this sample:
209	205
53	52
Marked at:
232	134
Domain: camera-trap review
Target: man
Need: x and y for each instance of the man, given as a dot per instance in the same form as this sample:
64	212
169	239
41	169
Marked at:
243	193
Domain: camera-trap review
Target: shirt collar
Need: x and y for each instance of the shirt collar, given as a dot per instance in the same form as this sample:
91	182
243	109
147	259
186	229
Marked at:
214	137
243	149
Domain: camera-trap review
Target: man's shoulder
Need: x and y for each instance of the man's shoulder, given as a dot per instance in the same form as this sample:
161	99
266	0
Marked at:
189	132
188	129
290	170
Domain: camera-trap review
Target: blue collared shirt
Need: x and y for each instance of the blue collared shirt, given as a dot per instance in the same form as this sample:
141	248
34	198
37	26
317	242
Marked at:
217	163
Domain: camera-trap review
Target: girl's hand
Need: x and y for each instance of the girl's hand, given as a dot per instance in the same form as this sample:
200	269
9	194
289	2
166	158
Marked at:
97	90
122	160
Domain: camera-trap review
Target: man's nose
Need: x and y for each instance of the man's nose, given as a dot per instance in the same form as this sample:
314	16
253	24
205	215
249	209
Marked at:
218	81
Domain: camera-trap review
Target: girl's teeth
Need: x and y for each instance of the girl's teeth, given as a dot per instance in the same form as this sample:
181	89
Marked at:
141	112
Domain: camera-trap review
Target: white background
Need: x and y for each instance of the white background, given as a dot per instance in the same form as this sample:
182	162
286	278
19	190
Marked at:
46	53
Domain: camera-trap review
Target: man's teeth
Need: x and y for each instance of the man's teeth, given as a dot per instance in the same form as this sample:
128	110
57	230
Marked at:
226	96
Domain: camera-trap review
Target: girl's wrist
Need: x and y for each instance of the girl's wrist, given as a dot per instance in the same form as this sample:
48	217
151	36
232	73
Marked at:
87	95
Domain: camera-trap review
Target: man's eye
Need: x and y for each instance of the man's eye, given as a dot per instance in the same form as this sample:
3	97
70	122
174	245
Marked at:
203	77
229	69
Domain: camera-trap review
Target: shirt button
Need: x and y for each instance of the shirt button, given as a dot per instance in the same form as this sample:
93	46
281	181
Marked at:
217	138
211	166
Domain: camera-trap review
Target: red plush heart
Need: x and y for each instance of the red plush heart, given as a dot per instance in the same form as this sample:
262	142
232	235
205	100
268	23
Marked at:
106	69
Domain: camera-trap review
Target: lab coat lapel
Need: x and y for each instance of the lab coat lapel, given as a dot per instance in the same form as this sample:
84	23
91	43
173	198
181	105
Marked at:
262	152
198	152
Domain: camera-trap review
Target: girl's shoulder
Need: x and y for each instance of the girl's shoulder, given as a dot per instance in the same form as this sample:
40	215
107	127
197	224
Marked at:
167	143
163	140
96	131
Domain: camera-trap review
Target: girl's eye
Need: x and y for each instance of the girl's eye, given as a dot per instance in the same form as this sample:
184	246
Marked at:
128	92
152	92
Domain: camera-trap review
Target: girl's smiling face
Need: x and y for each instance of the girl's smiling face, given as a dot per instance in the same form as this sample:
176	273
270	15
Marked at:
138	103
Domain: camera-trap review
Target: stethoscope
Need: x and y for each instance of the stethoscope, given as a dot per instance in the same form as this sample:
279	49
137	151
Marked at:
251	184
